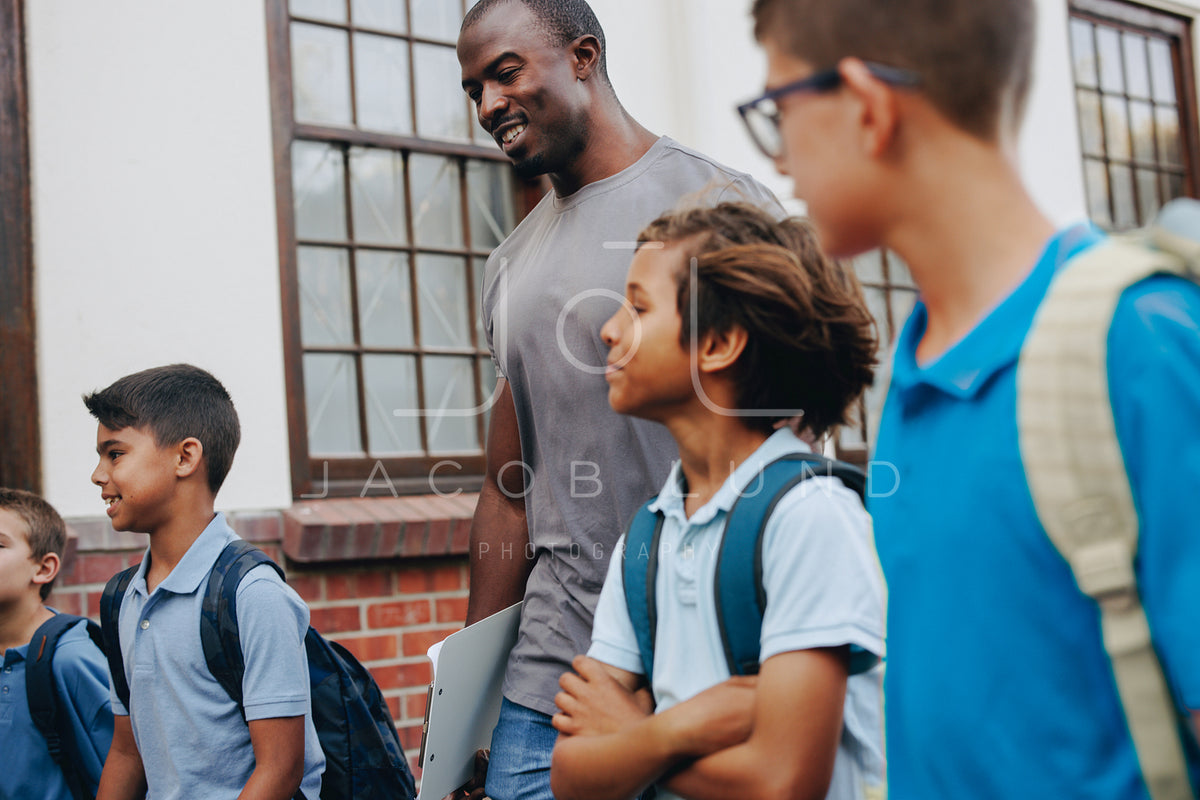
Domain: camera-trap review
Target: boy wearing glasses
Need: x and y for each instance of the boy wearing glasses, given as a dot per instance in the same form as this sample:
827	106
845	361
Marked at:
897	121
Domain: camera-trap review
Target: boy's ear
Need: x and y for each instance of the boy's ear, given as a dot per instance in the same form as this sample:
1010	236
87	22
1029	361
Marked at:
720	351
47	569
879	109
188	453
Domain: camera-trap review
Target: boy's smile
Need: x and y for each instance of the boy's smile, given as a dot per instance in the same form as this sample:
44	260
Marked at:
135	477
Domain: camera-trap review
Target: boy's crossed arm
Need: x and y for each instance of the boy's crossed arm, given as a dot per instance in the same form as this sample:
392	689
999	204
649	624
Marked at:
771	736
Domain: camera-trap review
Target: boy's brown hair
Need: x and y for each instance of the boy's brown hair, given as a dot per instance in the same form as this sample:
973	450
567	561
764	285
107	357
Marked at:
974	57
811	340
47	533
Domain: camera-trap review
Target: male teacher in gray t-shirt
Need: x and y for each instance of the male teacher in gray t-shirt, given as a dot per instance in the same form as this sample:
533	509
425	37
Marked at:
565	474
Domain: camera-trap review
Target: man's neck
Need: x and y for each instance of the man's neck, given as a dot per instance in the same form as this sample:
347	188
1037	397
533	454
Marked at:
20	621
170	541
615	142
711	447
972	235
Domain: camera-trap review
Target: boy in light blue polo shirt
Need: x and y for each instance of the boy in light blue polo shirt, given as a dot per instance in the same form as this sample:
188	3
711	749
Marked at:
166	439
897	121
32	539
777	328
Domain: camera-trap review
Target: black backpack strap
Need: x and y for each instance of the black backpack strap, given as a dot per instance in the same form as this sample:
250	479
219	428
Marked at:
218	614
110	613
639	573
741	599
45	706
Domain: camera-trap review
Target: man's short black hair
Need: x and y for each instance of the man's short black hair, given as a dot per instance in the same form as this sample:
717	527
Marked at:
561	21
174	403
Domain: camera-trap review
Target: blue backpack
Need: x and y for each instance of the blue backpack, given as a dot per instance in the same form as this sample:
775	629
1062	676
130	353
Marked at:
740	597
363	756
45	706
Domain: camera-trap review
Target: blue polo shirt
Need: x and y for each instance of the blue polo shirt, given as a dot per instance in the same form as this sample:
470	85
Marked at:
997	683
81	678
191	736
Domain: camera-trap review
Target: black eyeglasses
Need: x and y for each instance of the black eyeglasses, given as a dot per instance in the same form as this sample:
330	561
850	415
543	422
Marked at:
761	114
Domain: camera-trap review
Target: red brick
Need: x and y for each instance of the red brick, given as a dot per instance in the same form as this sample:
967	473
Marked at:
460	537
336	620
414	580
416	643
393	615
404	676
393	704
308	587
93	604
95	568
352	586
371	648
414	705
273	551
416	534
414	763
410	736
451	609
67	602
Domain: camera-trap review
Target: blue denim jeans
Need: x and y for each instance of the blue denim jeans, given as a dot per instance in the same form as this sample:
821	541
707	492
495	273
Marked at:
519	766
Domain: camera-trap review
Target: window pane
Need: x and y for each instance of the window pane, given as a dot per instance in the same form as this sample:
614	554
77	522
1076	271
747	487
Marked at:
1141	121
384	299
443	304
489	197
331	394
384	15
1172	186
1095	179
877	305
1108	42
869	267
1162	72
487	380
318	192
1148	202
437	19
1091	133
1082	52
325	314
1137	73
1121	183
1116	128
320	75
328	10
441	104
391	386
437	206
381	84
449	404
1169	148
903	303
898	274
377	196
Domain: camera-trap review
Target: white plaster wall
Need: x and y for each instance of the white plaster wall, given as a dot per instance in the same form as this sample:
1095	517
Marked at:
154	223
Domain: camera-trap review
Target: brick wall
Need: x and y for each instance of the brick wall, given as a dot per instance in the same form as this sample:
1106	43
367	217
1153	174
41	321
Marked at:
386	609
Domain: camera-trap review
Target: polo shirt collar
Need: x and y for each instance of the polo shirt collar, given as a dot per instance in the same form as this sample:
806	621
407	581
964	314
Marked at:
196	563
996	341
670	502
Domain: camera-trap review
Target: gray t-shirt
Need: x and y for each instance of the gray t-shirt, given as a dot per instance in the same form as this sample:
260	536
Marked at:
547	291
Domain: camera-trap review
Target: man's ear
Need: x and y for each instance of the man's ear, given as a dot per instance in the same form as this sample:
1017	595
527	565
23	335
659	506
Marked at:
188	453
878	106
48	568
719	351
586	50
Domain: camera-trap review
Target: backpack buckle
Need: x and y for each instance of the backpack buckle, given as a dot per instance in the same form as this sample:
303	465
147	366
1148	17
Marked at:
1104	571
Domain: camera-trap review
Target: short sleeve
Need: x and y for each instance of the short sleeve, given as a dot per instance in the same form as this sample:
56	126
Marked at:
613	639
272	622
1154	378
487	302
81	672
823	582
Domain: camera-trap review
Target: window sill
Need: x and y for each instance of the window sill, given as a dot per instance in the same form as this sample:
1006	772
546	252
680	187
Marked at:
368	528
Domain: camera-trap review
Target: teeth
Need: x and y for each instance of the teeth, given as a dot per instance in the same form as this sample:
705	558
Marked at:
108	501
512	133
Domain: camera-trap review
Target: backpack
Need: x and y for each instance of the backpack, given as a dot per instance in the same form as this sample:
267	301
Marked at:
45	706
363	756
740	596
1076	472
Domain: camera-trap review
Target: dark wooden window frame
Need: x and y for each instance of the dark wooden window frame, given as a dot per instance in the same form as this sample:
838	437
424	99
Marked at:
314	477
20	455
1147	20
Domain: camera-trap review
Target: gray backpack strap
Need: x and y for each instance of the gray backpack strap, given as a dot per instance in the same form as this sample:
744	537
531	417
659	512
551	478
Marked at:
1077	477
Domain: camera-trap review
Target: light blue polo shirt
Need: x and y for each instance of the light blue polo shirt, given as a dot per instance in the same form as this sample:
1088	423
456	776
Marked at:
81	677
997	684
823	587
190	734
